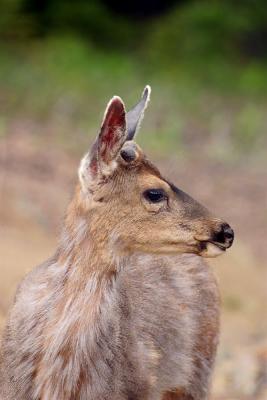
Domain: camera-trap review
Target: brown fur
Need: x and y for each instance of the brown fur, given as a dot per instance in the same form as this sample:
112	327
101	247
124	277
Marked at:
177	395
126	308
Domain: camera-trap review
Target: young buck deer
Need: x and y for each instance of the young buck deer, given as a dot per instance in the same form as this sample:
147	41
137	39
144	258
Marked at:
126	308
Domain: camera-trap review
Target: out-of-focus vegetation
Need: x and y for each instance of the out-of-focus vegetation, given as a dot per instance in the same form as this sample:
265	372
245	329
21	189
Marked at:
206	61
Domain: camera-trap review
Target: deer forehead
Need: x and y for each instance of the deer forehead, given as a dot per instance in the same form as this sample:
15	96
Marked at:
150	181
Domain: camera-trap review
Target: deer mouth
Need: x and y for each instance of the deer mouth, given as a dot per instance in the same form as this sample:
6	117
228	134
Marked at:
219	240
210	248
221	246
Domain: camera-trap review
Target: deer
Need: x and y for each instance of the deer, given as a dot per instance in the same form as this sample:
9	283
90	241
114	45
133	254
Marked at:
127	307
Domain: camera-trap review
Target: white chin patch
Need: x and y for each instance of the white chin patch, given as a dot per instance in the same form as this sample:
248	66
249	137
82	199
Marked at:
211	250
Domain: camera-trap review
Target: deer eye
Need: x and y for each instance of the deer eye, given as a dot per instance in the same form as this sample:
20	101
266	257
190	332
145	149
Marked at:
155	195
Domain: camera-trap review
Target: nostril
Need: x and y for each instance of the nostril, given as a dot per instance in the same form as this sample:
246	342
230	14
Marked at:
228	232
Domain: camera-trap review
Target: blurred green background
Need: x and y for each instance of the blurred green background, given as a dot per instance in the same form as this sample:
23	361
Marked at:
206	127
61	60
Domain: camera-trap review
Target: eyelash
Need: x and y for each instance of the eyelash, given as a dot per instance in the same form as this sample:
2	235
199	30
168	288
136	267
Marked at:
155	195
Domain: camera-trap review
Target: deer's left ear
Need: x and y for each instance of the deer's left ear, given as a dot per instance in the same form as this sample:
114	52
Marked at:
135	115
104	151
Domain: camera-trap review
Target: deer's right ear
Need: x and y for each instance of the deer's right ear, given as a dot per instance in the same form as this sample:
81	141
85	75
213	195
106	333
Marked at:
100	161
135	115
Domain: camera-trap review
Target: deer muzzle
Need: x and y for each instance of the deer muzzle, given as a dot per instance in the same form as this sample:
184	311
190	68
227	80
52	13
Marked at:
220	239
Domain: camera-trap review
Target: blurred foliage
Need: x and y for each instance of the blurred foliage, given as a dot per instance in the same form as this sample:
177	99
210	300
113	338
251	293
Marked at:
191	30
215	30
61	60
220	43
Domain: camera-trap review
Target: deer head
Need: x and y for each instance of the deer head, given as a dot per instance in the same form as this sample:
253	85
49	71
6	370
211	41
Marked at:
130	206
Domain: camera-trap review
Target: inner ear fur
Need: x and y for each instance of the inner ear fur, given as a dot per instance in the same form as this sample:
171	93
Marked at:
113	130
107	144
111	137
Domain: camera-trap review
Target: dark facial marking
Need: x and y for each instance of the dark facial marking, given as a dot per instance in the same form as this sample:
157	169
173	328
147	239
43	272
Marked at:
192	207
185	226
182	195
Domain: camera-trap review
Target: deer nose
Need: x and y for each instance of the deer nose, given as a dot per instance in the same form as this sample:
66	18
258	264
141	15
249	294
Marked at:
225	235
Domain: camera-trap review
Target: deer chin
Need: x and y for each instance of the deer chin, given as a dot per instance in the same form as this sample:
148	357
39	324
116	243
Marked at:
211	249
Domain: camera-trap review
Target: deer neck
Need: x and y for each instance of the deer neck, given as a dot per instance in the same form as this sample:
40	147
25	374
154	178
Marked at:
84	306
85	246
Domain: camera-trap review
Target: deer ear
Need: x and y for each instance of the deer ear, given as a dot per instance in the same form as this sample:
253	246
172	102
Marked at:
113	131
108	143
135	115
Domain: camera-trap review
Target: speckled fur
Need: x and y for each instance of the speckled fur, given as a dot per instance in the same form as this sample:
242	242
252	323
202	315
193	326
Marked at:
124	310
155	329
